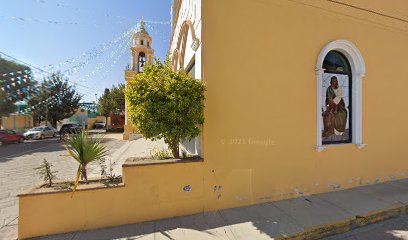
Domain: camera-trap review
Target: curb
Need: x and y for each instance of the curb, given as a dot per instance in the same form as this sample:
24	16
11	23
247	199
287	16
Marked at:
332	229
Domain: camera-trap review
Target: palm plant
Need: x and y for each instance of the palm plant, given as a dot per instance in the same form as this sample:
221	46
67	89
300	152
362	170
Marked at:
84	150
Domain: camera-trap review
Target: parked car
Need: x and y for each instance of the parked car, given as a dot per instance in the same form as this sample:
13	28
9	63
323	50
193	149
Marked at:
99	125
70	128
9	136
40	133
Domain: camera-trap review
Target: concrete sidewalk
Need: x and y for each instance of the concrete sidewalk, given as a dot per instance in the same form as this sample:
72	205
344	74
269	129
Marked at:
311	217
139	147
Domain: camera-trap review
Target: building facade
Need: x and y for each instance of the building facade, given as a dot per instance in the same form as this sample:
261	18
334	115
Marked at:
293	102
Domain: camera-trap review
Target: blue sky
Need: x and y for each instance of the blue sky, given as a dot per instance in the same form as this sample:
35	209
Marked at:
55	32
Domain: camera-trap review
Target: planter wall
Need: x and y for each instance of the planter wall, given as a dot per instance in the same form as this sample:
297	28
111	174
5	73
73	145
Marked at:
150	191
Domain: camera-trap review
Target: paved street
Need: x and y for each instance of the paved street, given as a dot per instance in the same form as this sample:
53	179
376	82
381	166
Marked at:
17	163
392	229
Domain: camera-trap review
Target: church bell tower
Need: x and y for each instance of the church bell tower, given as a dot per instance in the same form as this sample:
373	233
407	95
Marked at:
141	53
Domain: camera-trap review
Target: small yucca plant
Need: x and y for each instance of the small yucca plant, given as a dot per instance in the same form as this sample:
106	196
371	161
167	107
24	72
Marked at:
84	150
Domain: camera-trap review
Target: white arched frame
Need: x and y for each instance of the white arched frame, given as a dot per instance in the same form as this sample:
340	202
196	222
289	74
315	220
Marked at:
358	71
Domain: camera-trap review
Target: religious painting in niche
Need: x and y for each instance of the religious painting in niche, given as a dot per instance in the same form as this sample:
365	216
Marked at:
142	61
336	99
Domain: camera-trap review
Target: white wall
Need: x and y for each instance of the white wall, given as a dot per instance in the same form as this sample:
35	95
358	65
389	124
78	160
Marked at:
190	10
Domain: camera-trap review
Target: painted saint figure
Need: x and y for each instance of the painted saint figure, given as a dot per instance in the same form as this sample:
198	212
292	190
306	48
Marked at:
335	116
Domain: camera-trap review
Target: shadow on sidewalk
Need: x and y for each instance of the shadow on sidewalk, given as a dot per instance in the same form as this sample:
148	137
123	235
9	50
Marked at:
310	217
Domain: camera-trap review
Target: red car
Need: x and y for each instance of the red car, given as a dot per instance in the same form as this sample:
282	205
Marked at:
9	136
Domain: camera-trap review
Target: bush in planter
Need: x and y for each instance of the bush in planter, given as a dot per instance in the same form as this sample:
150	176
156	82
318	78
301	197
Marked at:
166	104
46	173
84	150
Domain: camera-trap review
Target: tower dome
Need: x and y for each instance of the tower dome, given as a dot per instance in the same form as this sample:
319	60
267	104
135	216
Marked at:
142	28
142	51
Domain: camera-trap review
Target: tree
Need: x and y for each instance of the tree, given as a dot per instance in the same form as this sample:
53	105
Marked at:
56	100
117	94
112	101
166	104
16	84
105	107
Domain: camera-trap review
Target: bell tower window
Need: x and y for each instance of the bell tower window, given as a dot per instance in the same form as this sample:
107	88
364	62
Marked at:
142	61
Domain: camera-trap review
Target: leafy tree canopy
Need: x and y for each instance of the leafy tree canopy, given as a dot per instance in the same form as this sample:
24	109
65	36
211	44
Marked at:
16	84
166	104
112	101
118	98
56	100
105	107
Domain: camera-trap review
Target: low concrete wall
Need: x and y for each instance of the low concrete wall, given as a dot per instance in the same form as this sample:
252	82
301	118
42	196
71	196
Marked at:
16	122
151	190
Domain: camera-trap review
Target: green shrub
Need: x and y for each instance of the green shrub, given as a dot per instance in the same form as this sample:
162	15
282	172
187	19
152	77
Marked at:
159	154
46	173
166	104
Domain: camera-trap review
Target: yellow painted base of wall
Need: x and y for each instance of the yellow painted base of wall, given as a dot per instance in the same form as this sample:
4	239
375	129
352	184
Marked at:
142	198
151	190
129	129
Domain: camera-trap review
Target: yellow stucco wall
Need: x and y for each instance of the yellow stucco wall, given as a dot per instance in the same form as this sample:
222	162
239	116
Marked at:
18	122
142	198
128	128
259	60
92	121
258	64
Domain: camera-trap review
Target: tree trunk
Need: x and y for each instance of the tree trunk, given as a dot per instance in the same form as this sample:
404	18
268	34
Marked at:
175	148
49	178
54	123
84	173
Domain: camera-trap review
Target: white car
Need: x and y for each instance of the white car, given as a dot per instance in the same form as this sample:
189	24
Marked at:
40	133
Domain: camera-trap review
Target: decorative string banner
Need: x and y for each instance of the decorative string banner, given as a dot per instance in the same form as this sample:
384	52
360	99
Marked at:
116	60
89	55
27	19
11	74
13	82
157	22
164	34
13	94
54	22
20	90
77	9
123	46
85	58
75	64
107	59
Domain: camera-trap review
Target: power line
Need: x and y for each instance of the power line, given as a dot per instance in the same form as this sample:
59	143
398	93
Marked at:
44	71
385	26
368	10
